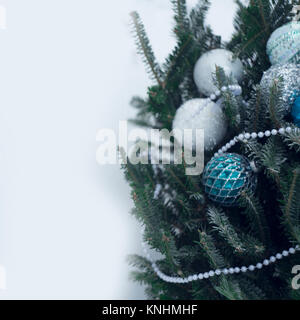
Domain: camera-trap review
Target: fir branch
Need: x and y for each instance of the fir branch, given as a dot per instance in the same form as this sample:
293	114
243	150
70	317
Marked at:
139	262
215	258
222	225
272	157
281	11
253	292
263	6
230	289
128	168
293	139
258	106
249	42
170	251
255	111
182	22
291	209
176	178
254	212
201	32
230	101
227	287
144	48
276	108
171	66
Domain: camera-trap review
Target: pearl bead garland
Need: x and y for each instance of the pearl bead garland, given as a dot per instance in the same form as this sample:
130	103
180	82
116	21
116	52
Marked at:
218	272
244	137
235	89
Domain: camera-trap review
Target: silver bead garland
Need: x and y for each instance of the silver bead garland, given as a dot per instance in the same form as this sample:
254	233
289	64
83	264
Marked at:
218	272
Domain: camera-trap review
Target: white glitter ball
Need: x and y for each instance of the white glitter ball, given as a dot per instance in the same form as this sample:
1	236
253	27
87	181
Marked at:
202	114
206	67
284	44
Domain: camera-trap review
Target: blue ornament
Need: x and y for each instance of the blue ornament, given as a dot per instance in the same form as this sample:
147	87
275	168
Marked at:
226	177
296	111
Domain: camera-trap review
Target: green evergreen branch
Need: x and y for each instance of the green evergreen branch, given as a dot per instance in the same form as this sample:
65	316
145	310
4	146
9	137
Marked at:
272	157
256	111
253	292
227	287
222	225
230	289
230	101
177	178
247	12
258	105
182	22
144	48
292	207
262	14
249	42
276	112
177	57
293	139
254	212
206	243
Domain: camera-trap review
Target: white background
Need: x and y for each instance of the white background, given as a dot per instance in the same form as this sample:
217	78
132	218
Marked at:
67	69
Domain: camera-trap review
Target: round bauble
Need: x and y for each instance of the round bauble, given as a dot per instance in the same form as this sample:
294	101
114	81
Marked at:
202	114
205	69
284	44
225	177
296	111
289	75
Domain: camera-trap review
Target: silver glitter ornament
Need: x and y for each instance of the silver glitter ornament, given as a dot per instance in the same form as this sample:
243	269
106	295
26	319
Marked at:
284	44
289	74
225	177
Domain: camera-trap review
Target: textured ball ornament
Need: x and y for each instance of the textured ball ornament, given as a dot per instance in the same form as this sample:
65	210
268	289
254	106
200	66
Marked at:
284	44
289	74
296	112
226	177
202	114
205	68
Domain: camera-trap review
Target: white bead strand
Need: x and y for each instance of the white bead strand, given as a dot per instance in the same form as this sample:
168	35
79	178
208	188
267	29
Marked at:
235	89
244	137
218	272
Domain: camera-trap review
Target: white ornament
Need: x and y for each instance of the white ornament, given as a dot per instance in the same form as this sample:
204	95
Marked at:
284	44
206	67
202	114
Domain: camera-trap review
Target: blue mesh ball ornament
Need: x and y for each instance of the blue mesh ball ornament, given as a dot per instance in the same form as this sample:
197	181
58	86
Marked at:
226	176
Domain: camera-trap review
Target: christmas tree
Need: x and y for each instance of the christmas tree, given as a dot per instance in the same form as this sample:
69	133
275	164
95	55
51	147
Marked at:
233	231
